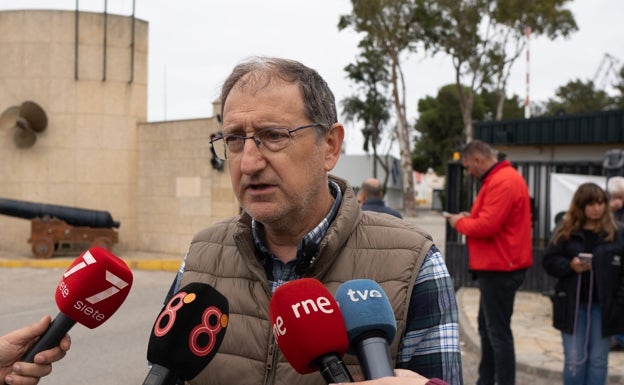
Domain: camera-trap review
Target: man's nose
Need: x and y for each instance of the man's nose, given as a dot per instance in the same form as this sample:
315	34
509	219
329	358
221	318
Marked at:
252	158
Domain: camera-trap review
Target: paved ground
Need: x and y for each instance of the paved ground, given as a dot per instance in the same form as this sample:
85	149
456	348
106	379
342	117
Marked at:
539	352
538	345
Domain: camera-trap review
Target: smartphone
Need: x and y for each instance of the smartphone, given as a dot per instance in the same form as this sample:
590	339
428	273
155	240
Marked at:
586	257
446	214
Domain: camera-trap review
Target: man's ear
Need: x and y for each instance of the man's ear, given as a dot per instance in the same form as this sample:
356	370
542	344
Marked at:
333	145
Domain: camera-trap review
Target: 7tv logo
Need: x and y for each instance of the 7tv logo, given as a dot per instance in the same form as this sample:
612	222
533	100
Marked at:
117	284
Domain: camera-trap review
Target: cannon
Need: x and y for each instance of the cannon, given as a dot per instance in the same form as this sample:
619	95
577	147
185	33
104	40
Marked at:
63	229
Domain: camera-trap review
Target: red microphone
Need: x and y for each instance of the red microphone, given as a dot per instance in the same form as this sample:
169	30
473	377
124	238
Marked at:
309	329
90	292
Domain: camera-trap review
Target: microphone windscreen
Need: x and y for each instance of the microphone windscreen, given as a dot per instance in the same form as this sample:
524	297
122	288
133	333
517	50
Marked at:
365	308
93	287
189	330
307	323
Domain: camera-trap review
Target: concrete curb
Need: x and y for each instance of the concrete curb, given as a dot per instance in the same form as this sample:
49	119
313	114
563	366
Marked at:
467	334
62	263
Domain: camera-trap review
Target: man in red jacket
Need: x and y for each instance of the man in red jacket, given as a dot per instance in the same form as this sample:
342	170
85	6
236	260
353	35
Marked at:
498	235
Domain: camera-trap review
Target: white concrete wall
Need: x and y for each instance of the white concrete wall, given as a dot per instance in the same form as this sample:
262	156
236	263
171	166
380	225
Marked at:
356	168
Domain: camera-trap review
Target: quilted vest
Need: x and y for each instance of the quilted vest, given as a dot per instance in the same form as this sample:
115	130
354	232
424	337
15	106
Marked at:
357	245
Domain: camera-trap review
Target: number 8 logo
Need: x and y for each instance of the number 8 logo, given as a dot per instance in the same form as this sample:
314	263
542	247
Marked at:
169	311
207	328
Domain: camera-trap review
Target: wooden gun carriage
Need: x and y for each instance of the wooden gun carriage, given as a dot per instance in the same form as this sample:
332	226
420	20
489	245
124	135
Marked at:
63	229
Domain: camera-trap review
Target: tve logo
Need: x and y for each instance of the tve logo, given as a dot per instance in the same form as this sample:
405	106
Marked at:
357	295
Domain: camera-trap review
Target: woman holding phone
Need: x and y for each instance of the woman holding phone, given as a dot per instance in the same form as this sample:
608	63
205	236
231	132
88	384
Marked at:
585	255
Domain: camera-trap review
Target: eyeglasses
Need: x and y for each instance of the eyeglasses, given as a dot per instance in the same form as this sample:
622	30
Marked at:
273	139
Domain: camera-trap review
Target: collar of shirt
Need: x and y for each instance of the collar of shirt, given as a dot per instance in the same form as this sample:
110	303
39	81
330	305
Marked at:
279	272
485	174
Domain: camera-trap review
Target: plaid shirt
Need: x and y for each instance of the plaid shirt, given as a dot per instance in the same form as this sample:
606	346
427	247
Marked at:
430	345
279	272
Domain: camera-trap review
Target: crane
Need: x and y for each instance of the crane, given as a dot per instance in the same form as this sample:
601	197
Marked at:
608	69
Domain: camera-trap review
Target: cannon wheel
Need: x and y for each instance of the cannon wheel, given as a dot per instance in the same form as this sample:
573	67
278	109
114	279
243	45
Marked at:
102	242
42	248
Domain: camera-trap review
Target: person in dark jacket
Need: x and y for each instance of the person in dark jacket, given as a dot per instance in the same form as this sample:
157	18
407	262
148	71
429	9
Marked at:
371	196
588	302
615	189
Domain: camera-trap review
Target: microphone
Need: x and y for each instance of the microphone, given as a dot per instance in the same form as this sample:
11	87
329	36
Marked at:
186	334
370	324
309	329
90	292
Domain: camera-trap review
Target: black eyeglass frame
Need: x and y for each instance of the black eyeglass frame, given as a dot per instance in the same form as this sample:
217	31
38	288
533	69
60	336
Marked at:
259	143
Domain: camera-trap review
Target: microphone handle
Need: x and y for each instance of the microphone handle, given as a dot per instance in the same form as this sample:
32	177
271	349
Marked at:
59	326
374	356
333	369
159	375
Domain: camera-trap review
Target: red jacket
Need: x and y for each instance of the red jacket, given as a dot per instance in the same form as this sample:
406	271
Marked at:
498	230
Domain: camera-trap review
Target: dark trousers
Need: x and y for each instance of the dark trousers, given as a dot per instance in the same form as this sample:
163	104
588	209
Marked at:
497	295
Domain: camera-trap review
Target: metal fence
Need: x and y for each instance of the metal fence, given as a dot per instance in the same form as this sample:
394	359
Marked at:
461	191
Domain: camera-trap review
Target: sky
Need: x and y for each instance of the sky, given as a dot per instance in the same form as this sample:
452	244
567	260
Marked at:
194	44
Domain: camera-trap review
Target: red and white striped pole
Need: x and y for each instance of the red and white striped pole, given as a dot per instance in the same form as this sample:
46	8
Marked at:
527	100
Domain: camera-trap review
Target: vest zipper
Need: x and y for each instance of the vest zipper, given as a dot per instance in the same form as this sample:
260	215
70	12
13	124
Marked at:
269	374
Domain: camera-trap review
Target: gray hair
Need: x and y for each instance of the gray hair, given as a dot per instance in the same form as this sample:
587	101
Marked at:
372	188
478	147
615	185
318	99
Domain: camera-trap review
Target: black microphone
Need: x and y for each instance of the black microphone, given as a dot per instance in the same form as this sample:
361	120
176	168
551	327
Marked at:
370	323
187	334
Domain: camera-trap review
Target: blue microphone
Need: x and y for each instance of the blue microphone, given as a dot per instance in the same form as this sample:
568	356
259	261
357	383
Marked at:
370	324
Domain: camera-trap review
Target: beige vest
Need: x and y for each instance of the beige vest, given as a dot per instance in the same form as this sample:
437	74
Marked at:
357	245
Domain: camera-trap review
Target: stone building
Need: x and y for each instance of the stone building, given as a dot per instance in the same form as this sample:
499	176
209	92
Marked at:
88	74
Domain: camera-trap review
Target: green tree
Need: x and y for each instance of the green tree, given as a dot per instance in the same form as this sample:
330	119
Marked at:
512	19
485	37
579	96
393	27
441	130
512	107
440	125
370	105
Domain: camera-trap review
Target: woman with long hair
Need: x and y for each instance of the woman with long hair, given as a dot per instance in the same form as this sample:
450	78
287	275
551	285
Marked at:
585	255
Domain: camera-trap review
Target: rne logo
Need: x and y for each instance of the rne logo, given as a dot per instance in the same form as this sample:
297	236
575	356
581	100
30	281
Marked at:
299	309
309	306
